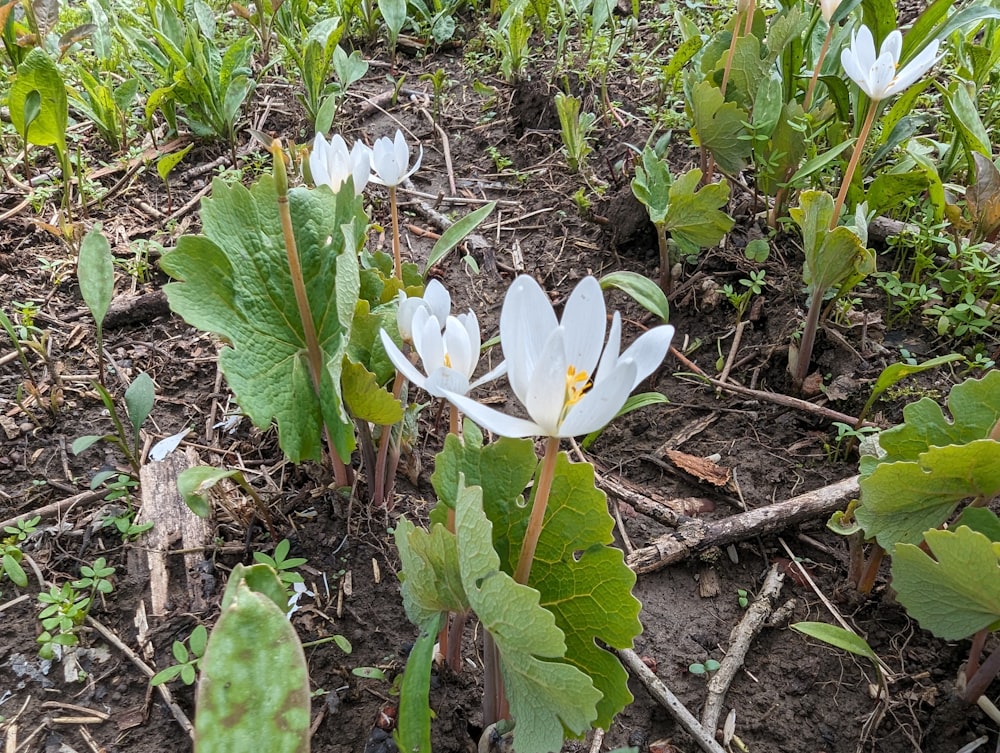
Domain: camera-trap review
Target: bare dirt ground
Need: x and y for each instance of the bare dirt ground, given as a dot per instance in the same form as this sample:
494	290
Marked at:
792	696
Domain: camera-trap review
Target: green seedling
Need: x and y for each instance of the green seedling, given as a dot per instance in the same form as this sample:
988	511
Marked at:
394	14
139	399
845	640
64	608
107	106
707	668
243	703
743	598
96	274
282	564
165	165
575	128
11	554
684	215
188	658
751	286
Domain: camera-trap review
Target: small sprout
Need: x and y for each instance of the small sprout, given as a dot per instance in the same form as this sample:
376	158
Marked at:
707	668
742	597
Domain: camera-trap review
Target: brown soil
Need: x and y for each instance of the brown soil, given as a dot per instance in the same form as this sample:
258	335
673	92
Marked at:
794	696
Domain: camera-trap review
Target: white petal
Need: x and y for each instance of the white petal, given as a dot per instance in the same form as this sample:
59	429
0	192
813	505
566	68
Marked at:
915	69
648	351
400	151
526	321
460	353
602	403
611	351
546	396
863	44
441	382
437	297
470	321
853	69
405	311
361	166
167	445
427	341
585	320
494	420
495	373
400	361
317	161
880	77
893	45
416	165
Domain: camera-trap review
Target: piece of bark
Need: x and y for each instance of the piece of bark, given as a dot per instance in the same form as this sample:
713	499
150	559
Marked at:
669	512
696	535
703	469
173	523
740	639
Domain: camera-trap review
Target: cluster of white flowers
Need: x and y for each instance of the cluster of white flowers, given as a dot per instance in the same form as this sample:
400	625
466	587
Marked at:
387	163
569	378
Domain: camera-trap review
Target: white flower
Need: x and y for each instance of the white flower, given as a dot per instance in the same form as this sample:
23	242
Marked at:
298	589
828	7
551	364
879	77
390	160
449	355
331	164
436	300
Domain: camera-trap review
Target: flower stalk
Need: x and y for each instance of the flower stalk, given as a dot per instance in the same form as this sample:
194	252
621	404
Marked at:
538	504
314	353
852	165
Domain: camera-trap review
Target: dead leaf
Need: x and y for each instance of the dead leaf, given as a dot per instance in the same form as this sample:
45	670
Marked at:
702	469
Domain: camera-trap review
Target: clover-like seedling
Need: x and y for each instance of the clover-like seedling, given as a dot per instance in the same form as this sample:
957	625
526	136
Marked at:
708	668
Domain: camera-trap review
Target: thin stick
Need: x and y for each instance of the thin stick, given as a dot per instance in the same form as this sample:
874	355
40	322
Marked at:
724	376
739	644
697	535
669	701
165	693
56	508
445	148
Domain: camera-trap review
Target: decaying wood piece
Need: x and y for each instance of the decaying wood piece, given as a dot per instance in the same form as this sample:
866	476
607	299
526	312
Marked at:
669	512
696	535
173	522
740	639
676	709
61	507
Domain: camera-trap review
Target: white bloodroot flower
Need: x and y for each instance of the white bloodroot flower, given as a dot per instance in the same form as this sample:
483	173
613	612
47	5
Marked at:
567	378
880	77
331	164
390	160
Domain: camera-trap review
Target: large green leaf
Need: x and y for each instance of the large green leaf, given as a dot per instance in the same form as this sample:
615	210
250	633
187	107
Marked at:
39	73
958	594
243	702
583	581
235	282
694	216
901	500
718	127
974	406
547	696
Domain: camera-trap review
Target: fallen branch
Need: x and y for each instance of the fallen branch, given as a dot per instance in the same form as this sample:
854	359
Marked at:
669	701
56	508
474	241
740	639
697	535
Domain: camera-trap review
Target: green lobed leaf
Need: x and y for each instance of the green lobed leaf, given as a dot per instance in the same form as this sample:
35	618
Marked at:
745	73
974	406
958	594
901	500
365	398
39	73
651	185
430	577
234	281
503	469
242	702
95	272
366	346
980	519
545	693
718	127
583	580
694	217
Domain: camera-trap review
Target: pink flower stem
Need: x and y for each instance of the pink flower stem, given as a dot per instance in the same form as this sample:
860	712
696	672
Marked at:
538	505
852	166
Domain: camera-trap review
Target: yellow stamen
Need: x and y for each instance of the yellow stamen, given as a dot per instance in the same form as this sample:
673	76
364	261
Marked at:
447	360
577	384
